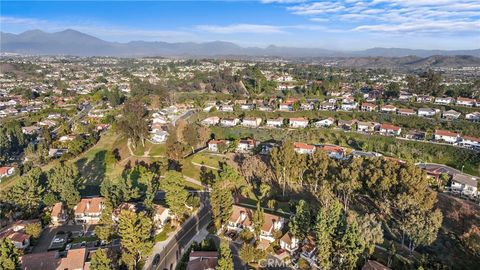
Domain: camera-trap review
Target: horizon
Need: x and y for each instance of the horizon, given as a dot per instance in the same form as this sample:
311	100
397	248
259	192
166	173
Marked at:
332	25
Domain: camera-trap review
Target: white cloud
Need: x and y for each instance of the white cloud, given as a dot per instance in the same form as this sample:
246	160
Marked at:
240	28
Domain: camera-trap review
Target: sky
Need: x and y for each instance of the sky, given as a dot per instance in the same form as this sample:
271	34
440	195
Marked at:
339	25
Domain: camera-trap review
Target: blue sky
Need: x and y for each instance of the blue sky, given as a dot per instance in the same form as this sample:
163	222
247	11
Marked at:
340	25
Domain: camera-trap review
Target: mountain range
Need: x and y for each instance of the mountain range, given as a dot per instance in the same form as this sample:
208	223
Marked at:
72	42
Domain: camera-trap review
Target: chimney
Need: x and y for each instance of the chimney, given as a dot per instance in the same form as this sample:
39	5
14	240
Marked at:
88	205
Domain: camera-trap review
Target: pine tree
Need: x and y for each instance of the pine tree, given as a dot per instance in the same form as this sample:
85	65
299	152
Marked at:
226	259
300	223
221	201
104	229
135	234
258	220
176	195
9	258
100	260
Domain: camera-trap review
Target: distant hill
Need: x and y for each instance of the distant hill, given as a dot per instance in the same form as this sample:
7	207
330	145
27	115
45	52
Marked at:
72	42
410	62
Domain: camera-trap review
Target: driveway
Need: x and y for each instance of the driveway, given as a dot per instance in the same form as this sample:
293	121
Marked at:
48	233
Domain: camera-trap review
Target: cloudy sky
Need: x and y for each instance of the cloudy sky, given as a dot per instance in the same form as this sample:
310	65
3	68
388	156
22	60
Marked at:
340	25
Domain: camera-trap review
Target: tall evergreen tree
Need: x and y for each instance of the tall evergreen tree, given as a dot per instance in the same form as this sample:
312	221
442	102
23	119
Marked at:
9	258
176	195
301	221
135	233
225	261
101	261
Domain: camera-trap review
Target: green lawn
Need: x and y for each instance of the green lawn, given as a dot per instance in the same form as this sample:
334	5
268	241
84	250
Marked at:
163	235
208	159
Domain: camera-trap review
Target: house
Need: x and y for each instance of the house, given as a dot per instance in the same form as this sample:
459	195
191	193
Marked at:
240	219
349	106
424	99
275	123
374	265
229	122
6	171
415	135
264	108
40	261
47	123
298	122
426	112
406	112
251	122
346	124
368	107
211	121
247	107
474	117
215	145
405	96
202	260
390	130
246	145
327	106
20	240
334	151
88	210
388	108
31	130
470	142
447	136
58	215
286	106
325	122
444	100
469	102
271	224
67	138
56	153
309	248
365	126
158	136
289	242
126	206
451	114
465	185
306	106
303	148
161	215
226	108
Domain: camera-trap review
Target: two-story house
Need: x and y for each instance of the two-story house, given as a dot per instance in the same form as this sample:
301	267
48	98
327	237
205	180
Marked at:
88	210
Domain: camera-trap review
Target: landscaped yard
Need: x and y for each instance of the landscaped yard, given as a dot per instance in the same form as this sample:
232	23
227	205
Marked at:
209	159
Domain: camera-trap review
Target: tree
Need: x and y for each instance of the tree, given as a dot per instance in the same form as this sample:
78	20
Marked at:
133	124
350	246
300	223
225	261
393	90
283	161
9	258
317	164
135	233
27	193
371	231
114	96
221	201
327	221
191	136
176	195
34	230
347	181
258	220
63	180
104	229
100	260
422	229
249	253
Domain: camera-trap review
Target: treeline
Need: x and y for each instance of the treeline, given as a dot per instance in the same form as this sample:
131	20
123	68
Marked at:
12	141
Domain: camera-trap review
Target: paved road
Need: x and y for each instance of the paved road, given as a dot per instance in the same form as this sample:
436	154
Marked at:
79	115
173	250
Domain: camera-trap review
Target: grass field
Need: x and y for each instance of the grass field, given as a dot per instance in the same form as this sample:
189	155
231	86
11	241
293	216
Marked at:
209	159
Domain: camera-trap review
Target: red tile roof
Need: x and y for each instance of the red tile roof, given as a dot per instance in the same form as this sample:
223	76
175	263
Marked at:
389	127
447	133
303	146
90	205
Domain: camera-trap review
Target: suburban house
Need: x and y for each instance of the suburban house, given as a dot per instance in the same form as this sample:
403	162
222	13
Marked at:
346	124
286	106
349	106
334	151
59	215
306	106
327	106
405	96
264	108
158	136
88	210
161	215
469	102
465	185
229	122
303	148
251	122
365	126
325	122
20	240
211	121
444	100
275	123
6	171
447	136
75	259
390	130
247	107
368	107
374	265
298	122
202	260
388	108
31	130
240	219
309	249
226	108
16	233
470	142
213	145
451	114
271	224
426	112
474	116
125	206
246	145
415	135
289	242
424	99
406	112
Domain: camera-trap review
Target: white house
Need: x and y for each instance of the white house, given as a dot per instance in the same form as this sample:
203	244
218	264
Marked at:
390	130
271	224
161	215
251	122
469	102
465	185
213	145
6	171
406	112
226	108
426	112
327	106
58	214
368	107
289	242
303	148
349	106
405	96
246	145
88	210
444	100
275	123
451	114
388	108
424	99
474	117
334	151
158	136
365	126
247	107
287	107
470	142
447	136
229	122
211	121
298	122
325	122
240	219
